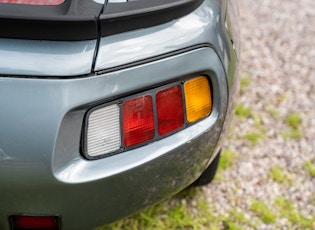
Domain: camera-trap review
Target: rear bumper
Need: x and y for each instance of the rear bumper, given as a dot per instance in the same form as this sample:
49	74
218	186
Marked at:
43	172
41	168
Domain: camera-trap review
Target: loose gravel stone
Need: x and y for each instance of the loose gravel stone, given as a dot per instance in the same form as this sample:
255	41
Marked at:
278	56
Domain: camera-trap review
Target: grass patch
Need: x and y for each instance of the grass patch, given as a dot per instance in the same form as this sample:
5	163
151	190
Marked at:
236	220
281	98
187	210
258	132
160	216
194	213
258	122
273	112
254	137
292	134
227	159
263	212
279	174
294	217
245	81
231	226
243	112
294	121
310	167
238	216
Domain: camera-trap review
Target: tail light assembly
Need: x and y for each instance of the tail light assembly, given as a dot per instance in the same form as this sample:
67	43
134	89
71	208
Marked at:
146	117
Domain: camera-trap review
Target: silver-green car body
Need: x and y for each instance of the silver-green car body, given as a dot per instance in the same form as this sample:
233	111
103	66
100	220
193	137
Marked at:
47	88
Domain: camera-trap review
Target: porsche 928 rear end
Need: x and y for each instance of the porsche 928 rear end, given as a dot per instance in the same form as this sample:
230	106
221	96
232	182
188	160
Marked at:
107	107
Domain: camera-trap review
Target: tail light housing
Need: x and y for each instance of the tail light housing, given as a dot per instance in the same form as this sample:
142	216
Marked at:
142	118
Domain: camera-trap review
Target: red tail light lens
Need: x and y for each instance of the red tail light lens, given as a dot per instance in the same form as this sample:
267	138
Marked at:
20	222
35	2
170	110
138	120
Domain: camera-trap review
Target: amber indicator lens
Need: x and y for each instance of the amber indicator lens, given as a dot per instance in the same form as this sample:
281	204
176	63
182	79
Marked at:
138	120
197	98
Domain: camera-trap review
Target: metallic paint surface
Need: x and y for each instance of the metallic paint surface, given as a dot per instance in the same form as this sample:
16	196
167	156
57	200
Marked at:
45	58
41	168
203	26
40	139
75	169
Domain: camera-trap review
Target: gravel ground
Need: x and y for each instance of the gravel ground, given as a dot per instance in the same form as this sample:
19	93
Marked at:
278	58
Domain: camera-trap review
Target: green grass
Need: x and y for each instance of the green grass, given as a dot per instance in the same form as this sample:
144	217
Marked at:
245	81
279	174
288	211
236	220
294	122
257	133
281	98
190	210
231	226
181	212
243	112
258	122
310	167
265	213
292	134
227	159
177	216
273	112
254	137
187	210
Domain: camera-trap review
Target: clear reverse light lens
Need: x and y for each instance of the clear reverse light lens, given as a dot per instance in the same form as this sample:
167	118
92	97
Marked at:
103	134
